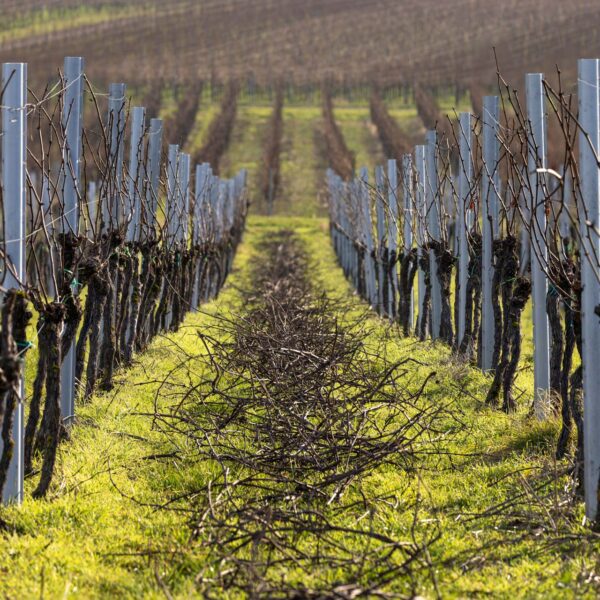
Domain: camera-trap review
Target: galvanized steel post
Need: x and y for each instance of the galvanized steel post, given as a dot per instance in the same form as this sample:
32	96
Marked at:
116	121
409	202
14	164
380	212
155	133
489	225
536	159
136	175
433	208
589	211
465	176
367	232
392	234
72	119
420	212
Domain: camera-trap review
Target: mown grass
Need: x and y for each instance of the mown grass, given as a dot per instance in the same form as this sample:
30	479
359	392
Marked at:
101	534
168	103
245	147
207	111
302	165
360	134
49	20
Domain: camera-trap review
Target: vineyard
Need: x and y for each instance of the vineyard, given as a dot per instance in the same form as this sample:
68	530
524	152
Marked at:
299	300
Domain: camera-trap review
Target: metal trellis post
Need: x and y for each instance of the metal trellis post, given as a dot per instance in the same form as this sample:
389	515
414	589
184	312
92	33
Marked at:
14	163
489	225
433	208
536	159
380	212
589	211
465	177
72	119
409	201
136	162
392	198
420	213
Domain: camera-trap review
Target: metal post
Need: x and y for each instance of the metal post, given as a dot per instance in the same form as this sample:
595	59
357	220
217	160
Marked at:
409	200
116	120
564	218
367	232
420	215
91	209
489	225
380	211
172	191
465	176
14	163
392	197
46	197
432	203
589	211
184	204
353	215
72	118
173	183
155	134
536	158
198	226
136	162
525	252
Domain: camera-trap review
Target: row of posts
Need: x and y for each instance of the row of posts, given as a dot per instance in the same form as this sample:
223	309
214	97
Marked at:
212	213
415	200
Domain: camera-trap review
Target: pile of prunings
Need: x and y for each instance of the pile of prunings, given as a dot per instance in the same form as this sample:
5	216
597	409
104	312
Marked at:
270	175
296	417
341	159
394	141
219	131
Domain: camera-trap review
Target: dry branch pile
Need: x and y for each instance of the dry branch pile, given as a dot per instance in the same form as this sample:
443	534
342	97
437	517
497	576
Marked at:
430	113
178	128
270	175
340	158
219	131
392	138
296	414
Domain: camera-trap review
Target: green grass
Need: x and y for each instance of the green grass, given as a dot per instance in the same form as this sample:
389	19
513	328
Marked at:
410	123
302	165
245	147
360	134
168	104
207	111
49	20
99	534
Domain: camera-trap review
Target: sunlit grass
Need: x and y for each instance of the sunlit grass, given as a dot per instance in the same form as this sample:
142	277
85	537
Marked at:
48	20
99	535
302	166
360	134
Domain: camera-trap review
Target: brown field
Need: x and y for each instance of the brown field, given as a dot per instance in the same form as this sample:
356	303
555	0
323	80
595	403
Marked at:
430	42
